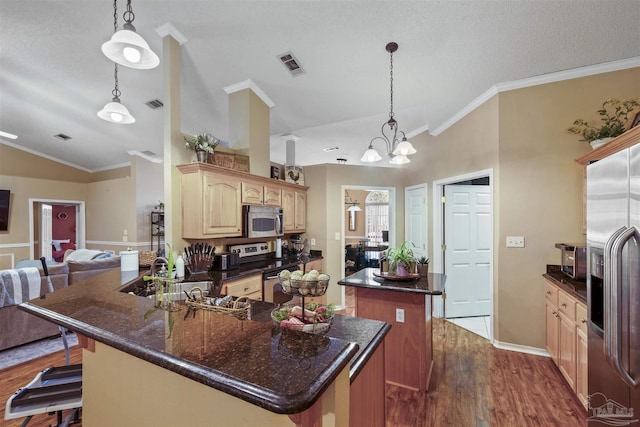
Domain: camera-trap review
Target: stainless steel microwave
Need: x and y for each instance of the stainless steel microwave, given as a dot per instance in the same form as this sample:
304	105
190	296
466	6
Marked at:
262	221
574	260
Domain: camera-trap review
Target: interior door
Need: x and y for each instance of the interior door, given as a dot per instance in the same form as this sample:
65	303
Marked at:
468	233
46	235
416	219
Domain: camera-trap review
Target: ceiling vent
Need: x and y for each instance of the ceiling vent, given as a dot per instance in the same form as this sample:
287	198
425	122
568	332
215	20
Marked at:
330	149
62	136
291	63
149	153
154	104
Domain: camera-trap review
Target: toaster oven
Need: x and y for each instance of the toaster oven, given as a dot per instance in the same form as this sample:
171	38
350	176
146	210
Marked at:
574	260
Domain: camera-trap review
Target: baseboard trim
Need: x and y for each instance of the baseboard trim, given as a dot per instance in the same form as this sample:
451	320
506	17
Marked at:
521	348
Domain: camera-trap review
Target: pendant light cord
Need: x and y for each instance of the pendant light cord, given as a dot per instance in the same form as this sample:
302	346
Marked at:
391	84
115	92
129	16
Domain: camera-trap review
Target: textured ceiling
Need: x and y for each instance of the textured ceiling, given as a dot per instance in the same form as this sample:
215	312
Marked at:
54	77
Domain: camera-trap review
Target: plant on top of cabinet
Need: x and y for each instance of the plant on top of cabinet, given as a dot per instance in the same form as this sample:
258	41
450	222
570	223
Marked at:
203	144
614	115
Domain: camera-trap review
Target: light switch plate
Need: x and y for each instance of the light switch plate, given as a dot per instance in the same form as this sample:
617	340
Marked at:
399	315
515	241
313	241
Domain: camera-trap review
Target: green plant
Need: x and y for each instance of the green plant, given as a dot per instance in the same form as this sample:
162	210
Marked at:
423	260
202	142
401	255
613	115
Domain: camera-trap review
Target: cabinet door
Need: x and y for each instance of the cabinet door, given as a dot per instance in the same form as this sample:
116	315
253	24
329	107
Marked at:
252	193
247	286
582	369
288	210
301	211
272	196
567	350
552	320
222	209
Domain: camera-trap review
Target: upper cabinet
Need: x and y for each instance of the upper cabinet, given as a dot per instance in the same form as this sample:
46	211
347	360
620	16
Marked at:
294	206
212	199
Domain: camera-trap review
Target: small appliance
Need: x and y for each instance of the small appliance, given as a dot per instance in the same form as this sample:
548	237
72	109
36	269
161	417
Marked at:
262	221
226	261
574	260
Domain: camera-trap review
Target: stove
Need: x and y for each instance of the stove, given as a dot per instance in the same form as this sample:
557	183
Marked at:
257	253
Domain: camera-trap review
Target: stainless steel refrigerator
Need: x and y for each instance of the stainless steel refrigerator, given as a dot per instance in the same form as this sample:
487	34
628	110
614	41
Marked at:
613	289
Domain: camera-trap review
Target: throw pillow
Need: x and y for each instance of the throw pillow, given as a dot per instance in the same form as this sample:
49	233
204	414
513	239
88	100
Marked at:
66	246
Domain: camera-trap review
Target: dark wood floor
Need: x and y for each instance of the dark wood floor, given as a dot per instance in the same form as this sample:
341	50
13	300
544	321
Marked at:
473	384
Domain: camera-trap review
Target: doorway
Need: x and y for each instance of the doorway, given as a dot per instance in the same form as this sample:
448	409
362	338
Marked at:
63	229
440	262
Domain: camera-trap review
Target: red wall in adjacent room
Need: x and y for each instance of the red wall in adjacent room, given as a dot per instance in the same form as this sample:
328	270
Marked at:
64	228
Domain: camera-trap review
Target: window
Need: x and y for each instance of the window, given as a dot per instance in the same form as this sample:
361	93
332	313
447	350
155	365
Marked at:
377	216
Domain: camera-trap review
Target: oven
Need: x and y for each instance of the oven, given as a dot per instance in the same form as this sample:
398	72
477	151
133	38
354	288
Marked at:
271	288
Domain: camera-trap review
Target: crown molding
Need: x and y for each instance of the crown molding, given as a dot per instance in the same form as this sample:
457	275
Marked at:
168	29
144	156
574	73
250	84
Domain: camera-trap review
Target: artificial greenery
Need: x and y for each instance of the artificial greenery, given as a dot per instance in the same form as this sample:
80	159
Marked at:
613	115
402	255
202	142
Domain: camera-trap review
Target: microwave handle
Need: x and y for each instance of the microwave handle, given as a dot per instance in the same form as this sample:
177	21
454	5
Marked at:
616	300
279	225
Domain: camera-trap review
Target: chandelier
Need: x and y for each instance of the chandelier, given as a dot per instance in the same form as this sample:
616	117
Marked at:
397	150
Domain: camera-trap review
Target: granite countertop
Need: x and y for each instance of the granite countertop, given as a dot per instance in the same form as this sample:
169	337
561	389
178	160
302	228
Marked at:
576	288
282	371
432	284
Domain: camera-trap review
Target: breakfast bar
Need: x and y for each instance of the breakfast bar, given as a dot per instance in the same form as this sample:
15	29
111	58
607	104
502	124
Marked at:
406	304
156	367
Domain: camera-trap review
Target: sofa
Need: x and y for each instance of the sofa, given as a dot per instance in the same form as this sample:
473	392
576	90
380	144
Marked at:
18	327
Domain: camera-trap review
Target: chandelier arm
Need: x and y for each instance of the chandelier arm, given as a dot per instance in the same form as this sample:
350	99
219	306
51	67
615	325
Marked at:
385	140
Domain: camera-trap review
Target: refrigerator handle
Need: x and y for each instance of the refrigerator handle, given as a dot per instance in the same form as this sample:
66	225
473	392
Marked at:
616	312
607	342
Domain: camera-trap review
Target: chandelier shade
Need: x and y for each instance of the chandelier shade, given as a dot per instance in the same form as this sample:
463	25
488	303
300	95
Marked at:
128	48
115	112
397	150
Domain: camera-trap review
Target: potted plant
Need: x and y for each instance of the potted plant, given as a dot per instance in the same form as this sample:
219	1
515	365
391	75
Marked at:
613	115
423	266
203	144
401	260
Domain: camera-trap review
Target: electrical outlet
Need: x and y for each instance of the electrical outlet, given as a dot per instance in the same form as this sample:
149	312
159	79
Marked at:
313	241
400	315
515	241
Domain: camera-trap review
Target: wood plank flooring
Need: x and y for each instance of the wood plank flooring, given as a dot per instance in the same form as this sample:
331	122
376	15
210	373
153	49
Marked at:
473	384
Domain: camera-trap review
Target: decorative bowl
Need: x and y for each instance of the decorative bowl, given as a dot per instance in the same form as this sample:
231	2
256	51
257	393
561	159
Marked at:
289	317
304	287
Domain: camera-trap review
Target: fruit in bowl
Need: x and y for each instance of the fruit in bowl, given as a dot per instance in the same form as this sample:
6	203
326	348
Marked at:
297	283
315	318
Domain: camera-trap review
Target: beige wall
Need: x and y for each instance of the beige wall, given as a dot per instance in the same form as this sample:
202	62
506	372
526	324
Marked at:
325	210
521	134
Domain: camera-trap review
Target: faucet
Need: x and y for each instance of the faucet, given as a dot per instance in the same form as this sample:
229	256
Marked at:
159	260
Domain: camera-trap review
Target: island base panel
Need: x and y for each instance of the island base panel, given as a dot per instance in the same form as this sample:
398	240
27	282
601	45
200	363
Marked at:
408	346
120	389
368	400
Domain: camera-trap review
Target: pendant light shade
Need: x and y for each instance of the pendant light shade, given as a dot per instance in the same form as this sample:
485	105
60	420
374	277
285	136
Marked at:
371	155
354	208
115	112
128	48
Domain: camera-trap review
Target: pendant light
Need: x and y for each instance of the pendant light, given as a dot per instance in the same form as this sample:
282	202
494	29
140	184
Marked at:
128	48
114	111
397	150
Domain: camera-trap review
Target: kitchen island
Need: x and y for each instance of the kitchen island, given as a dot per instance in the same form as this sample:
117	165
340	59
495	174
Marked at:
153	367
406	304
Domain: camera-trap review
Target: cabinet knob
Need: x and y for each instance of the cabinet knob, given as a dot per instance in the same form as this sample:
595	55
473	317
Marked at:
548	292
555	313
583	320
564	304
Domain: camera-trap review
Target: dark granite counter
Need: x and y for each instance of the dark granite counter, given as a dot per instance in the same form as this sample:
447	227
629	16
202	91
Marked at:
576	288
282	371
432	284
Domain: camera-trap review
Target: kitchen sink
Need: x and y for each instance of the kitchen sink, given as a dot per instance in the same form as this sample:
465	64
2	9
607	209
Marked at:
147	289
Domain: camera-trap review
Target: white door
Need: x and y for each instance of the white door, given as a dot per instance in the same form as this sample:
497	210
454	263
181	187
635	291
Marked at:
46	235
416	219
468	232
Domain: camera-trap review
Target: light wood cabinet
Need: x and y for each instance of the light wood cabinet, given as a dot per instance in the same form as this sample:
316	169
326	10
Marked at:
211	205
294	206
566	337
212	199
250	287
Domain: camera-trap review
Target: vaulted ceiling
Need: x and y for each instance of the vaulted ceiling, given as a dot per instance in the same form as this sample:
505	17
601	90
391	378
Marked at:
54	77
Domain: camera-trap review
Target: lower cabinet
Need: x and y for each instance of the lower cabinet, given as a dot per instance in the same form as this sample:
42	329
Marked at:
566	337
250	286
